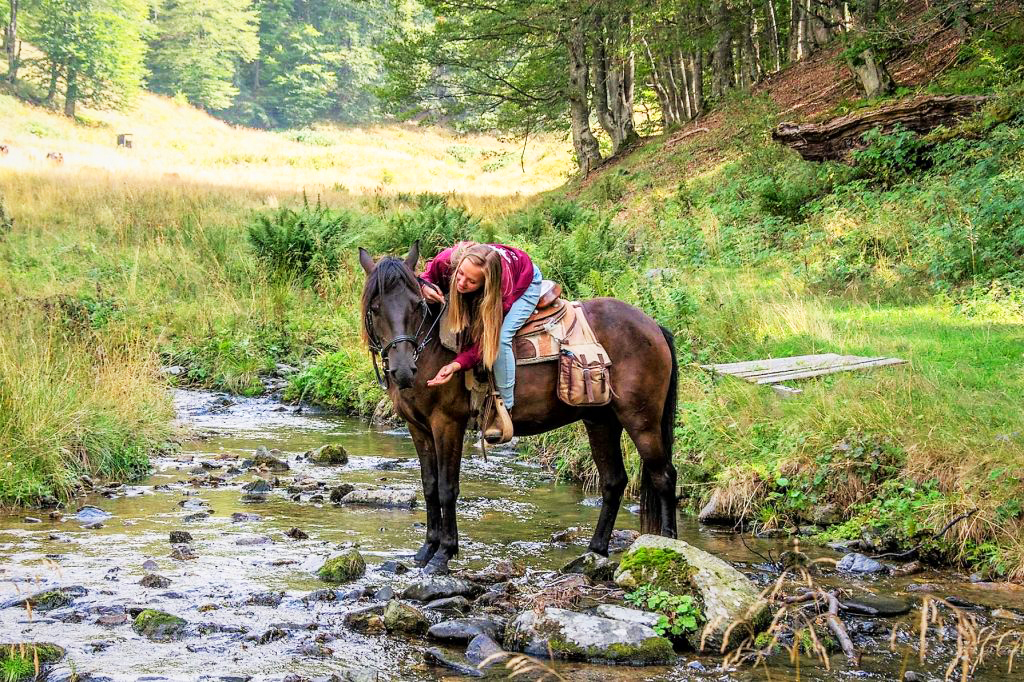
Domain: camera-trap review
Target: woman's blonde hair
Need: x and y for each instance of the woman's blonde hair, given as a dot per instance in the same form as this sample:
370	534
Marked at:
478	315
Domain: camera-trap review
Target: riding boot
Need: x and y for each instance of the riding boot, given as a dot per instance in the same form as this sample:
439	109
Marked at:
498	427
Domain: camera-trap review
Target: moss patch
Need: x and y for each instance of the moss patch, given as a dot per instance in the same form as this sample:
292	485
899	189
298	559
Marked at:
343	568
329	455
159	625
659	567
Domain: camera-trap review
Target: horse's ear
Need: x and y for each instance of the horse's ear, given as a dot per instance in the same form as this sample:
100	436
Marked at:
366	260
413	256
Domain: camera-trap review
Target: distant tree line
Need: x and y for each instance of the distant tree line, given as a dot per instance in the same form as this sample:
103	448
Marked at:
529	65
516	65
270	63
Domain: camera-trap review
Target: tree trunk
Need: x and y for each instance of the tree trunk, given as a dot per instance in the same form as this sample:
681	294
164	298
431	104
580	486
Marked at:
721	61
10	43
773	37
869	66
613	80
588	152
697	83
71	93
798	47
51	92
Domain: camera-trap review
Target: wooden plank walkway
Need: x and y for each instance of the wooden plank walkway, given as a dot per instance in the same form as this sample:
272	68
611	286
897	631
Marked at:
777	370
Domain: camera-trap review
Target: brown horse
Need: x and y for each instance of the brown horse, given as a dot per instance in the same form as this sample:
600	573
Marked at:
402	328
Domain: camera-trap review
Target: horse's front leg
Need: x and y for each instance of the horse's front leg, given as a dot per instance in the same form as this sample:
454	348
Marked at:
448	435
424	442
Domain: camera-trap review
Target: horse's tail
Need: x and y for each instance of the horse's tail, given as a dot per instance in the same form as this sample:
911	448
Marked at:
650	501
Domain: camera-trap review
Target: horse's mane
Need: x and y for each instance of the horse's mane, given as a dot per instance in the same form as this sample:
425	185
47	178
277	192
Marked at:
389	272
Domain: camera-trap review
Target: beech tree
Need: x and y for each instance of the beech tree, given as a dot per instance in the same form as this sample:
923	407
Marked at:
11	47
197	47
94	47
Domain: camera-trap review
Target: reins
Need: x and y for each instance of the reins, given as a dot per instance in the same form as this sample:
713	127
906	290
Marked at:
376	348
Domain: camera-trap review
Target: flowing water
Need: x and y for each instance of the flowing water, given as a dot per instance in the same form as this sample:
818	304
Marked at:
508	509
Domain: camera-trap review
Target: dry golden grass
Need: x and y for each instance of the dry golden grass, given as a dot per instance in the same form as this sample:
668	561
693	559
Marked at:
173	141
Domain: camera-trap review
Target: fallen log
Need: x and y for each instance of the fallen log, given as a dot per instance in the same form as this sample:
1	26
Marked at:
834	140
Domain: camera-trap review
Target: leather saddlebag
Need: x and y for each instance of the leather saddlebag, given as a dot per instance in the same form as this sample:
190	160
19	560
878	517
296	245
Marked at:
583	375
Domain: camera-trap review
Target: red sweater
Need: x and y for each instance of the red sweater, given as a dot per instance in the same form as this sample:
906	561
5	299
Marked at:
516	276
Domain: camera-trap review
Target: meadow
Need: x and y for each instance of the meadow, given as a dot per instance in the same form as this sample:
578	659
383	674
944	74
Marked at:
226	251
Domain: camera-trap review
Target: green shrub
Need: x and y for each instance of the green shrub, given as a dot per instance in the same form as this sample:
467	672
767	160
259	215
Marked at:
311	137
612	186
303	243
342	380
434	223
891	157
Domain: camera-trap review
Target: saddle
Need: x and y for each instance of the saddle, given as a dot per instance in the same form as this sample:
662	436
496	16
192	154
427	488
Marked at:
558	330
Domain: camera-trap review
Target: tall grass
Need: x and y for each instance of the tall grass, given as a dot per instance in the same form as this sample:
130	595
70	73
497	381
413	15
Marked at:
73	402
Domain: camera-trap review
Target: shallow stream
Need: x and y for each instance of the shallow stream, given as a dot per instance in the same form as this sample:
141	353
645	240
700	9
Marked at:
508	509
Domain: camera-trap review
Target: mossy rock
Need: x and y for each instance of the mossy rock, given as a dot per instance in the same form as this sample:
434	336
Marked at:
569	635
343	568
332	454
159	625
400	617
18	659
725	596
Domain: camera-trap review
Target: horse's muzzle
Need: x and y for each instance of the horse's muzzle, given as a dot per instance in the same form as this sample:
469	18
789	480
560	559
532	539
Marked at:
404	376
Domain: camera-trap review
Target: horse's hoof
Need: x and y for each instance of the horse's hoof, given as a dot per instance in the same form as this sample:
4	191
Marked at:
437	566
424	555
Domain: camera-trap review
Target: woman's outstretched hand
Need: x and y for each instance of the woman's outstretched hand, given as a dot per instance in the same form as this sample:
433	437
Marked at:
431	293
444	374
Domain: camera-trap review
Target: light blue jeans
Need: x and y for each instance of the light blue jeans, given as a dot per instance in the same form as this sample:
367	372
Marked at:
515	318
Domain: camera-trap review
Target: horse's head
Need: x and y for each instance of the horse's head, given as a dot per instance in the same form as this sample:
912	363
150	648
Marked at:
395	316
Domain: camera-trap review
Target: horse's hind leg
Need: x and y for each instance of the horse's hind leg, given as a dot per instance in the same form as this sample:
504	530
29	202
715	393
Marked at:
606	447
658	484
424	443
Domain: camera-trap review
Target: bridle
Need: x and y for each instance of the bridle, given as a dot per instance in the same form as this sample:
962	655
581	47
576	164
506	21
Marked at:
376	348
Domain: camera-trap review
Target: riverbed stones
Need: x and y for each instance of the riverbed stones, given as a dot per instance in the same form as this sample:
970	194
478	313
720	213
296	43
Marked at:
183	553
347	566
256	491
725	596
48	600
403	618
178	537
339	492
385	498
155	581
465	629
585	637
332	454
858	563
269	459
596	567
429	589
159	626
481	648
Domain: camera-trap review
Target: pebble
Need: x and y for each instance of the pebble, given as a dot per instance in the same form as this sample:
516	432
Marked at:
155	581
179	537
465	629
391	566
296	534
150	565
253	540
384	594
481	648
239	517
183	553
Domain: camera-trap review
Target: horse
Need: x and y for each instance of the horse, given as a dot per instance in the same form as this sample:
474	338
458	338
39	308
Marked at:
401	328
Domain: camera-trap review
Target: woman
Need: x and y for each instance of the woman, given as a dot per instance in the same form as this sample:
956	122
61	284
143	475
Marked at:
493	290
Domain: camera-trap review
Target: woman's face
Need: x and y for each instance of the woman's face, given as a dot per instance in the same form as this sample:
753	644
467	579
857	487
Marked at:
469	277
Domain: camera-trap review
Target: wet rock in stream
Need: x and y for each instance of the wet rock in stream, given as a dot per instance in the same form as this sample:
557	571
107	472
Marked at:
435	656
875	606
429	589
178	537
402	618
584	637
332	454
159	626
627	615
392	566
858	563
385	498
267	459
680	568
594	566
48	600
457	604
153	580
481	648
241	517
183	553
465	629
339	492
296	534
89	514
347	566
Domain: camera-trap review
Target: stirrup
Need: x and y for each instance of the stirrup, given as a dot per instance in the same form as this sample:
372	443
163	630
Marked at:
498	427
